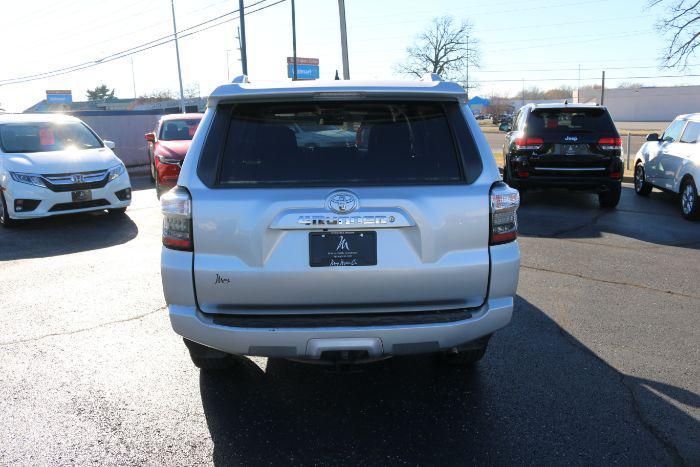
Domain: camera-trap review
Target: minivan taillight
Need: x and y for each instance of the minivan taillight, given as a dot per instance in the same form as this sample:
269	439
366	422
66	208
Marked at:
176	206
504	217
610	144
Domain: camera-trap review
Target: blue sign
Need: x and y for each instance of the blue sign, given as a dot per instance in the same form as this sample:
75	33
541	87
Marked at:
303	71
54	97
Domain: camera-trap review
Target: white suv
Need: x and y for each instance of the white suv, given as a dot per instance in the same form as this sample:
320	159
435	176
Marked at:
382	229
671	162
56	164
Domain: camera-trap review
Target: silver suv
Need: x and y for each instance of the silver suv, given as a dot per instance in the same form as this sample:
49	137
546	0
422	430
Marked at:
339	221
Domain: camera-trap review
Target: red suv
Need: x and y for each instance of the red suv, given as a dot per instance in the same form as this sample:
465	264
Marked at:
167	146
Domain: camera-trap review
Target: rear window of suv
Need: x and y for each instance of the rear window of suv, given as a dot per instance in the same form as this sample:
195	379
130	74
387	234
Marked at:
557	121
332	143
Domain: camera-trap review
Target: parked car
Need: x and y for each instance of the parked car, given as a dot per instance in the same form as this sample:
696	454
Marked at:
671	162
573	146
55	164
167	146
331	254
503	118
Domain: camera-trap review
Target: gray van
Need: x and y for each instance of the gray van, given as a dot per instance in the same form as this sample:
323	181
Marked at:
339	250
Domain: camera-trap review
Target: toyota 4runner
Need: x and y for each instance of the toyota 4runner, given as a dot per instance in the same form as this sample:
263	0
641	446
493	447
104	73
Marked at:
286	237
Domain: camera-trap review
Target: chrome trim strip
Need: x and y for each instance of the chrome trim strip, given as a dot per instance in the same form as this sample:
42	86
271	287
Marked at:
570	169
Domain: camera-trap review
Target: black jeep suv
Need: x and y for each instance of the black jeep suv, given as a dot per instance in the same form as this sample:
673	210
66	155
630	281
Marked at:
572	146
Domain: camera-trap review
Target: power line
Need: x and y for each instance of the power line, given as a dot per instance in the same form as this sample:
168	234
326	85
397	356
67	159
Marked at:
137	49
588	79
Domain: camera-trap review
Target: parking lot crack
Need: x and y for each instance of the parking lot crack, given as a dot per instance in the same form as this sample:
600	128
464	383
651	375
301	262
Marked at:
637	411
613	282
77	331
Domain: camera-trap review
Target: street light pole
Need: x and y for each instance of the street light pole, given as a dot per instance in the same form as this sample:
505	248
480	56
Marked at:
343	39
177	53
244	55
294	43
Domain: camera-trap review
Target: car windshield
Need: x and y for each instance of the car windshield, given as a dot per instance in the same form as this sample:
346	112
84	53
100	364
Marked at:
46	137
550	121
380	142
179	130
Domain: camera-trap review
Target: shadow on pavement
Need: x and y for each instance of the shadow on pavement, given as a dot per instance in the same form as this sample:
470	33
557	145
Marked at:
566	214
141	182
63	235
537	397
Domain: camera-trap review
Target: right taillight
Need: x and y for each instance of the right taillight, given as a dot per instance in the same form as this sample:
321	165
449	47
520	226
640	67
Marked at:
176	206
504	217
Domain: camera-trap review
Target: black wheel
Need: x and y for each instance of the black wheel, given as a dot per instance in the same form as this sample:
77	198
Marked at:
159	190
117	211
690	204
206	358
641	186
608	199
5	219
466	355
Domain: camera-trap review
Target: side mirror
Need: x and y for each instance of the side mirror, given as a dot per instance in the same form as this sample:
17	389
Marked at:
504	127
110	144
151	137
653	137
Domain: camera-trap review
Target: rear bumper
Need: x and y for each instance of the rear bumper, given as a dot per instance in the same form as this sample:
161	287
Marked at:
579	183
304	343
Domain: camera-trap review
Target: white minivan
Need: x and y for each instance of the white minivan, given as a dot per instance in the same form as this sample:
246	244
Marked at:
55	164
671	162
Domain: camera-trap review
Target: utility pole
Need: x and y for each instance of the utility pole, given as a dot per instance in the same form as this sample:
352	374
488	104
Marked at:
467	69
228	73
602	90
244	55
294	43
343	39
133	76
523	92
578	88
177	53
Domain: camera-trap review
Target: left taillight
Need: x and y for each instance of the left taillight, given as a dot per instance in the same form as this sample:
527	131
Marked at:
528	144
176	206
504	216
610	144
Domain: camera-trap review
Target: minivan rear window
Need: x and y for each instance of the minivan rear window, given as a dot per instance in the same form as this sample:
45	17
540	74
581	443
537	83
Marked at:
339	142
556	121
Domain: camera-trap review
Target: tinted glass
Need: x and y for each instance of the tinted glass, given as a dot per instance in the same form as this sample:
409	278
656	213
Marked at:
691	134
46	136
673	132
178	130
330	143
558	121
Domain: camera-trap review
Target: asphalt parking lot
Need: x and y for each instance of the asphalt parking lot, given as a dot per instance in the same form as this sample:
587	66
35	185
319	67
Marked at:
600	364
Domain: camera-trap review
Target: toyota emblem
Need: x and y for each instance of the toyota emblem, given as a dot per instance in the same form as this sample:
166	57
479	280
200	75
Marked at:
343	202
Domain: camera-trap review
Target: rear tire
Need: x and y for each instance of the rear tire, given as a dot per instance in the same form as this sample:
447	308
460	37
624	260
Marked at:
152	168
206	358
641	186
466	355
159	190
5	219
609	199
689	201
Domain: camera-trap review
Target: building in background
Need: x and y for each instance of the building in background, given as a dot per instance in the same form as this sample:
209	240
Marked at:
645	104
478	104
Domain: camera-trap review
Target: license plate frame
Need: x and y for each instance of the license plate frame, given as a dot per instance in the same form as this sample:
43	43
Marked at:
81	195
343	249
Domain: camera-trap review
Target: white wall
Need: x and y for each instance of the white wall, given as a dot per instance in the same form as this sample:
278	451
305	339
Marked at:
657	104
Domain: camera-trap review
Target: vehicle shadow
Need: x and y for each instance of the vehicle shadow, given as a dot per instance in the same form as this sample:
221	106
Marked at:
565	214
537	397
63	235
141	182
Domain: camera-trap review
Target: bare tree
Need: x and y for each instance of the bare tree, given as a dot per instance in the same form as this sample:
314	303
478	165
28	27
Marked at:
446	48
681	24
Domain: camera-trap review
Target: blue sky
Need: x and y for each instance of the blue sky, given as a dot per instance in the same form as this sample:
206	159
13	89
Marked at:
541	41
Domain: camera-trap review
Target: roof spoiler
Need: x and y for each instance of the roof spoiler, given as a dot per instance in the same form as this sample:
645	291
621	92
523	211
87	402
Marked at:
240	79
431	77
